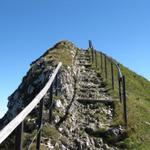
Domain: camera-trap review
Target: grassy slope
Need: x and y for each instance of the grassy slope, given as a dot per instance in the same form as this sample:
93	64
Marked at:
138	100
138	94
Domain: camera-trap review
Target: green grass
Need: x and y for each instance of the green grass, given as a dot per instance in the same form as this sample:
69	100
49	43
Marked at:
138	102
50	132
62	52
138	93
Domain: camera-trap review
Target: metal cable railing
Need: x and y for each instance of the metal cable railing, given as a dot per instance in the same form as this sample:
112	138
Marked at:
17	123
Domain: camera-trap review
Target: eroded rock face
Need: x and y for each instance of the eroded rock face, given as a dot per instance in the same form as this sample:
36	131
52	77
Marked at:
37	76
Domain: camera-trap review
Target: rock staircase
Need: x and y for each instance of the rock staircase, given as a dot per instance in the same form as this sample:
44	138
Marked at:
91	87
91	112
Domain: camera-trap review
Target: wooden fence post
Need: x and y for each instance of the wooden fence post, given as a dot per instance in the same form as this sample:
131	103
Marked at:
56	85
90	44
119	85
119	88
39	125
101	62
112	75
95	58
51	103
19	137
91	48
105	68
124	100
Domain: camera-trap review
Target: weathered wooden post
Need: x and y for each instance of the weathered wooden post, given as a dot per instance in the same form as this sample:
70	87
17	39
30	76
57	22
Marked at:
119	85
119	89
105	67
112	75
90	44
19	137
39	125
124	100
91	49
56	85
95	58
101	62
51	103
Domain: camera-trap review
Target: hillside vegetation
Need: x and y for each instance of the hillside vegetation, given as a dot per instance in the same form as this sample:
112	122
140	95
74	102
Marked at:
138	102
138	94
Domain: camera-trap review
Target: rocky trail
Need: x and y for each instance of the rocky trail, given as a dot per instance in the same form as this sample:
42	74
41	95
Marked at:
88	120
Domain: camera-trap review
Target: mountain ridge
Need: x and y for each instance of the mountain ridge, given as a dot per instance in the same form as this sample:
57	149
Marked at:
70	56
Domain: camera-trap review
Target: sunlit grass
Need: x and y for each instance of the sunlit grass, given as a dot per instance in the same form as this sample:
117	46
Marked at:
138	105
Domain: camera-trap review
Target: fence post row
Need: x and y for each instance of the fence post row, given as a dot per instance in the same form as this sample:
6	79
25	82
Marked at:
121	79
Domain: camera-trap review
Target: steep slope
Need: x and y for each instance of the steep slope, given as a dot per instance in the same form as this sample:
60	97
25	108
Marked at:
37	76
138	93
138	102
85	115
88	123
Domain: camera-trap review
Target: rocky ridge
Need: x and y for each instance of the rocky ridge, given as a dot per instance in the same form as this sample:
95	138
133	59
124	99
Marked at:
87	125
76	123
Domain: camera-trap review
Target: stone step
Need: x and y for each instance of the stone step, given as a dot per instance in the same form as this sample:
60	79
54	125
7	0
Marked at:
85	77
105	90
90	95
89	70
93	90
85	90
88	73
102	100
89	86
92	81
85	64
84	60
83	57
84	53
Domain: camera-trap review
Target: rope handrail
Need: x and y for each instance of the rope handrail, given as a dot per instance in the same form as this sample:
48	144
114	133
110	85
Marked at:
9	128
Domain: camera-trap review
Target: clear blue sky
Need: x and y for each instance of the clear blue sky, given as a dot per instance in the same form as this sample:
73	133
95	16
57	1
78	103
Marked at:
121	28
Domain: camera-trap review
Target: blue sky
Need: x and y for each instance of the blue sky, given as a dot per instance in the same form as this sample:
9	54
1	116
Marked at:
120	28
